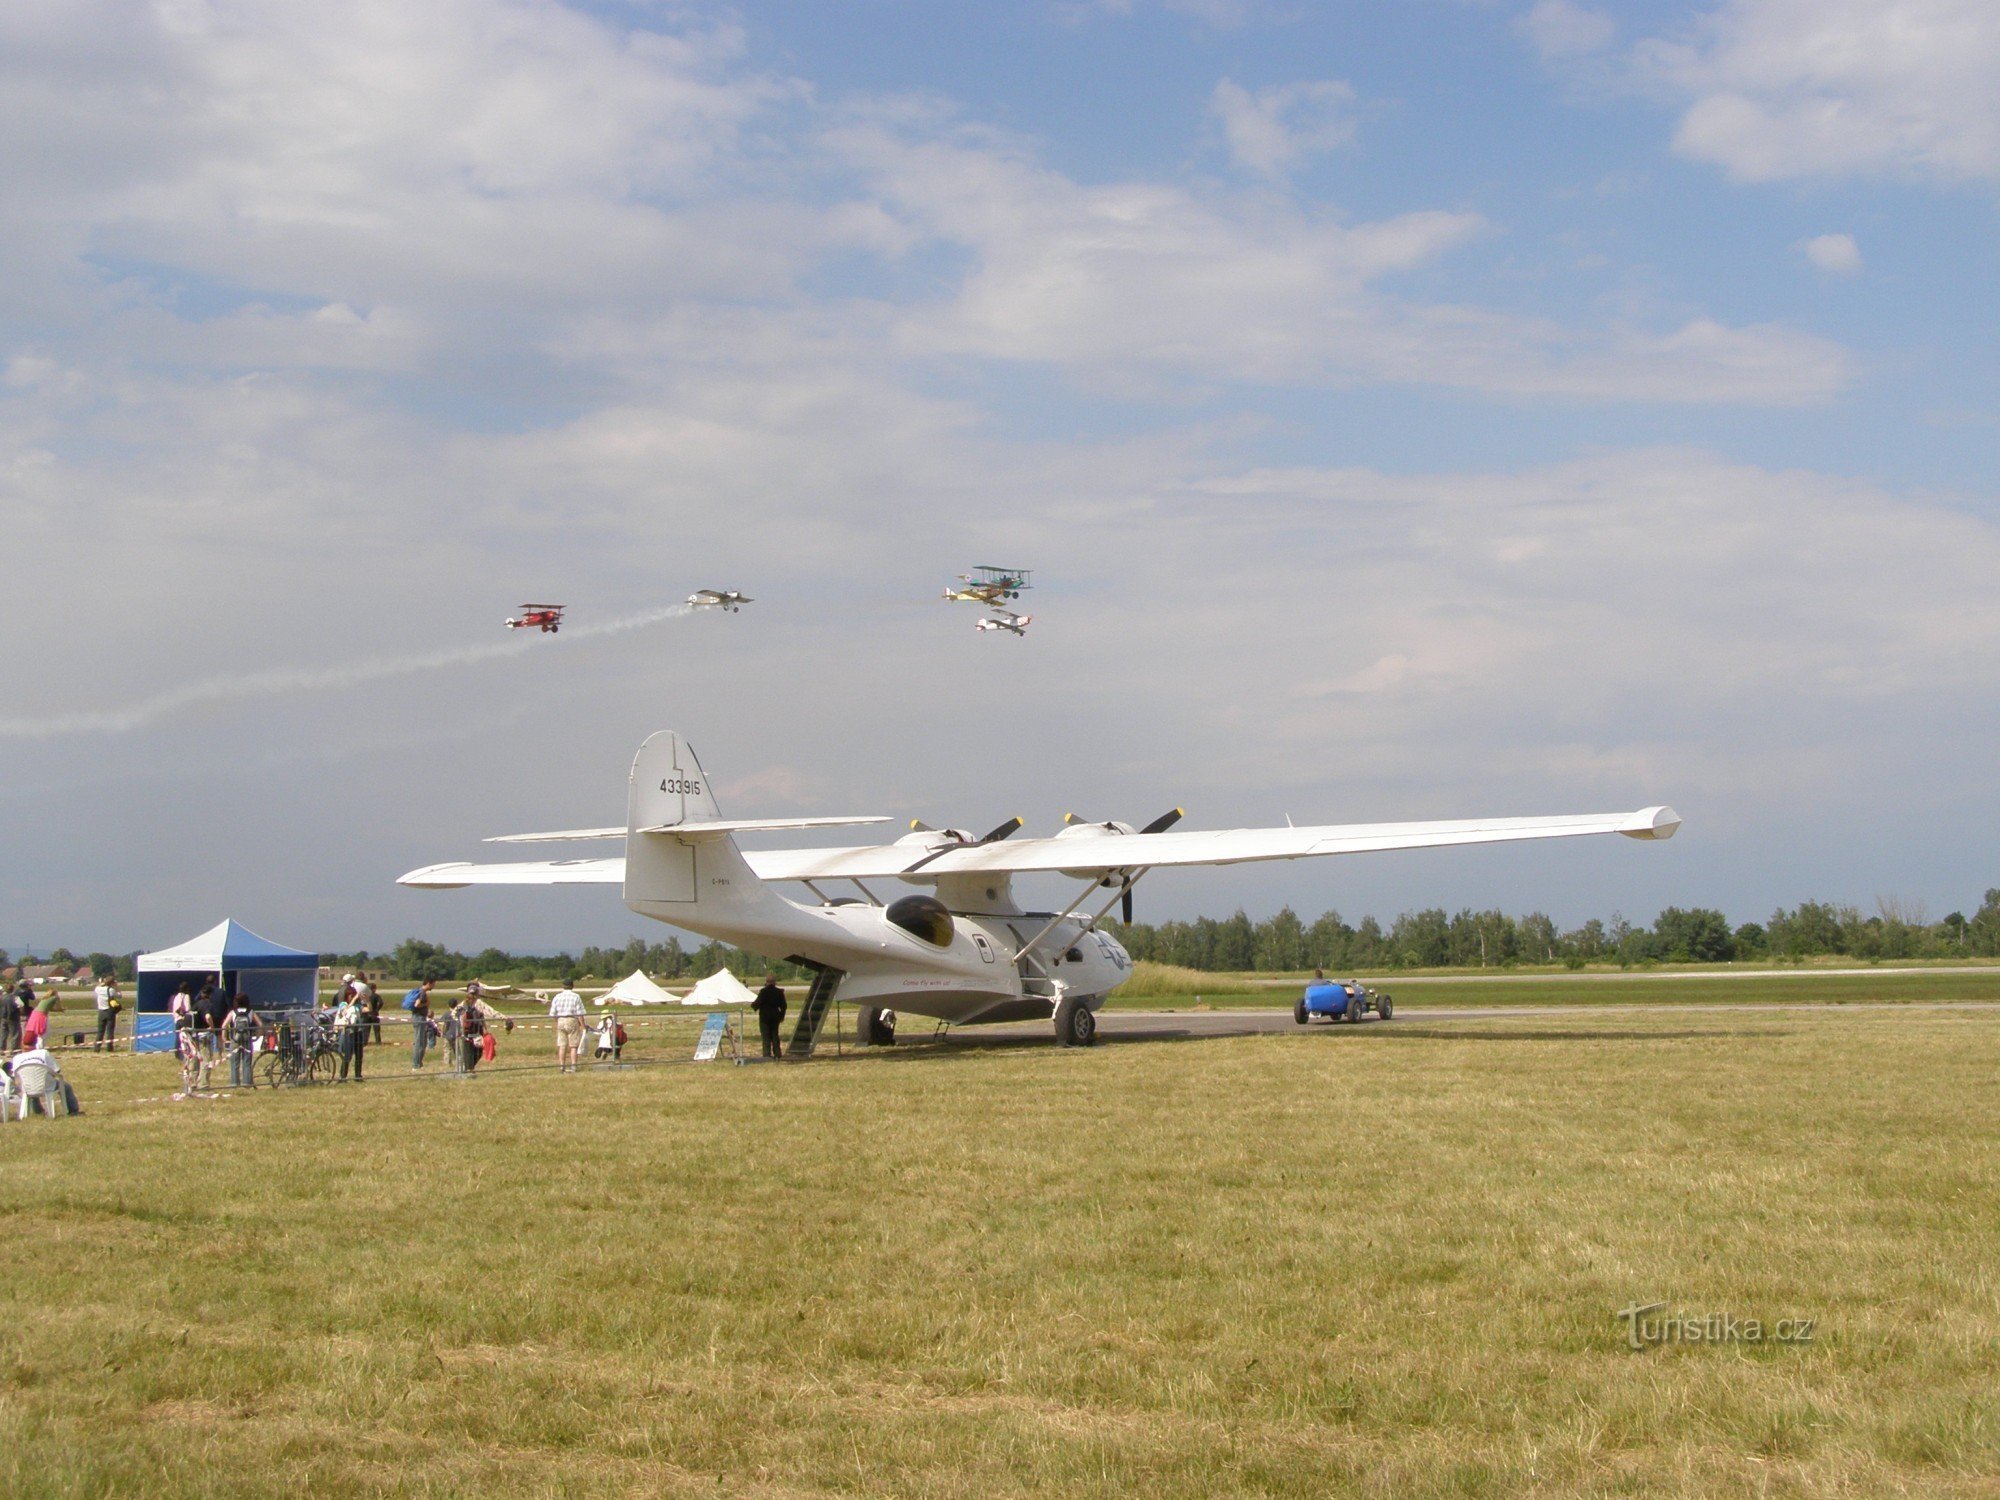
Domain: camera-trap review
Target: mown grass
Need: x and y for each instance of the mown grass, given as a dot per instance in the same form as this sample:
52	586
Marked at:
1383	1261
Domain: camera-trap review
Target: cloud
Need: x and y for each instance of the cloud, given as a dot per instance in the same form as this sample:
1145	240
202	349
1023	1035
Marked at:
1835	254
1223	15
1564	29
1274	130
1782	89
1707	618
1131	283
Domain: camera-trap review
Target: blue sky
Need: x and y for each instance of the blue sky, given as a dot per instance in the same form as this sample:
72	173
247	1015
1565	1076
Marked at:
1411	410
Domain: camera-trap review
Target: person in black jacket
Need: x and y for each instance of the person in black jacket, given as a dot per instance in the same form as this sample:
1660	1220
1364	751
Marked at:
770	1008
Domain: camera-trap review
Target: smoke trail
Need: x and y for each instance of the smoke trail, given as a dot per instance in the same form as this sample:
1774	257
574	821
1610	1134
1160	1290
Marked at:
304	680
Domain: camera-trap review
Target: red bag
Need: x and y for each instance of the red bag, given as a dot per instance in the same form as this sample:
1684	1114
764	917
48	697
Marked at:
621	1035
487	1047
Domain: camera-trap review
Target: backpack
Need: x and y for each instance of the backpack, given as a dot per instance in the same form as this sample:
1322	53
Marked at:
410	1000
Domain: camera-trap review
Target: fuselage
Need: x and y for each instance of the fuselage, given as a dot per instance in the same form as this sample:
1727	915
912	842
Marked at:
995	961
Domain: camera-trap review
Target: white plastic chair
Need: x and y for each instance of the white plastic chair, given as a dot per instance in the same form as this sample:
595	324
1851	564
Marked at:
37	1080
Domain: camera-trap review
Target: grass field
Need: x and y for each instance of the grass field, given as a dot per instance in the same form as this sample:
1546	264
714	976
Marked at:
1382	1261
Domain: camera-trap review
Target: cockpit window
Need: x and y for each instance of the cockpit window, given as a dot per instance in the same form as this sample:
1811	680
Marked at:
922	917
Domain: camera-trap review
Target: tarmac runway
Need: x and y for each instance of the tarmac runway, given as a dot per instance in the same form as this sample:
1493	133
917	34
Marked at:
1175	1025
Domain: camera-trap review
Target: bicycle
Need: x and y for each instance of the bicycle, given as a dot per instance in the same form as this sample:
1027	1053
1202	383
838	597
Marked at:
291	1058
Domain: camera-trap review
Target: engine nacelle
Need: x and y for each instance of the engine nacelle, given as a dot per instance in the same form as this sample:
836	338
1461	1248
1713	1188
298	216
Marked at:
1106	830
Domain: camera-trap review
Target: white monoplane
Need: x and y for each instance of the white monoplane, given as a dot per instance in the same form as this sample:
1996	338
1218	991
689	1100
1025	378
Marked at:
727	599
964	951
1006	619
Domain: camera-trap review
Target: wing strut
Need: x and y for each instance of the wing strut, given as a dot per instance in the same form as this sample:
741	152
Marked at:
1081	897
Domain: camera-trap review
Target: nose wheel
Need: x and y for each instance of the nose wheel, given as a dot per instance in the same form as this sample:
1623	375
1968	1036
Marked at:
1076	1024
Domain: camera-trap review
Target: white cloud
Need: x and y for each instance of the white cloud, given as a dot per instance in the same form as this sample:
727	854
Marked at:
1833	88
1835	254
1134	282
1564	29
1274	130
1224	15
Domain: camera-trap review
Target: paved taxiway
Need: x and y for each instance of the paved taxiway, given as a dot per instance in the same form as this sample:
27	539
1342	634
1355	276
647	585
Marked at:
1168	1025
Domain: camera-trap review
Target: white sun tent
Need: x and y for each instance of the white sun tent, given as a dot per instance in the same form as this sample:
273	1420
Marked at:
720	988
240	962
636	989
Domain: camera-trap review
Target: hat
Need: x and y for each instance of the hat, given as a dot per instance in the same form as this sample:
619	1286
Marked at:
346	978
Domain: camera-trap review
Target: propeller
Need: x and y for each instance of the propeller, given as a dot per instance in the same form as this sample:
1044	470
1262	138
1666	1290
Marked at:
1004	830
1160	824
1157	827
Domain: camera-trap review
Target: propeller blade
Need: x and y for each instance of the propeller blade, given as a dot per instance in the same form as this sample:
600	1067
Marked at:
1161	824
1005	830
1125	904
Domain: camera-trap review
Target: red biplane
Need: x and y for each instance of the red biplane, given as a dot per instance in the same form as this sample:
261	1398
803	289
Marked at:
544	617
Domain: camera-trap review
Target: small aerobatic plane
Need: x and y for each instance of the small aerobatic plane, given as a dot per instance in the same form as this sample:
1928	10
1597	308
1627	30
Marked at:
989	585
727	599
1006	619
961	948
546	618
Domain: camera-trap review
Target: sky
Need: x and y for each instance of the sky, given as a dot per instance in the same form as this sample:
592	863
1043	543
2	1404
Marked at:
1439	409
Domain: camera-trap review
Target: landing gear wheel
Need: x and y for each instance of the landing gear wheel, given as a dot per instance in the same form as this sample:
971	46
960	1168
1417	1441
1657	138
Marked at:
1385	1007
1075	1025
1299	1014
876	1028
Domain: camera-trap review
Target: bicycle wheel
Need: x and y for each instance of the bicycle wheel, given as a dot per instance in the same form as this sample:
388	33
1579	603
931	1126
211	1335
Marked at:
320	1069
270	1070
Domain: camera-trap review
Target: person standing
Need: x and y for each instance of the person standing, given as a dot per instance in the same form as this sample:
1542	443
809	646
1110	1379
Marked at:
35	1025
108	1006
240	1028
567	1011
349	1035
770	1008
418	1004
209	1007
371	1010
471	1015
13	1014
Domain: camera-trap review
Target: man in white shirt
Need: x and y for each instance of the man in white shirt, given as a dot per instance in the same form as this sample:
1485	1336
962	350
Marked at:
39	1055
567	1010
107	1015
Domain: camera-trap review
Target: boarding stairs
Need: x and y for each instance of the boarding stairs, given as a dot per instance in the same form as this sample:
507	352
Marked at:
813	1013
1037	982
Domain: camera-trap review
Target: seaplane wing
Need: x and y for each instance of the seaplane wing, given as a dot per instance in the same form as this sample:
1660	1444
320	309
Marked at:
1080	856
1136	851
732	825
543	872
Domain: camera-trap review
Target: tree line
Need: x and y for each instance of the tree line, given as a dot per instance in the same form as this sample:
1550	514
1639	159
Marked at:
1431	939
1285	942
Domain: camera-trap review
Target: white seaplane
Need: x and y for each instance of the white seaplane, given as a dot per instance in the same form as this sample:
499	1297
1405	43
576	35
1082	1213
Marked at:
963	951
728	599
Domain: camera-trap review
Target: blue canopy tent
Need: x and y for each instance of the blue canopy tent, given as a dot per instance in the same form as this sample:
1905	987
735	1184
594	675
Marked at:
240	963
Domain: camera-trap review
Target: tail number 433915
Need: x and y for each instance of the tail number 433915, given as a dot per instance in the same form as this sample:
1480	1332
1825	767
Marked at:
684	786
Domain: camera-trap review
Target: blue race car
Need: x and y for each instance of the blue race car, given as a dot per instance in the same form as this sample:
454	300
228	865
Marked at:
1340	1000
